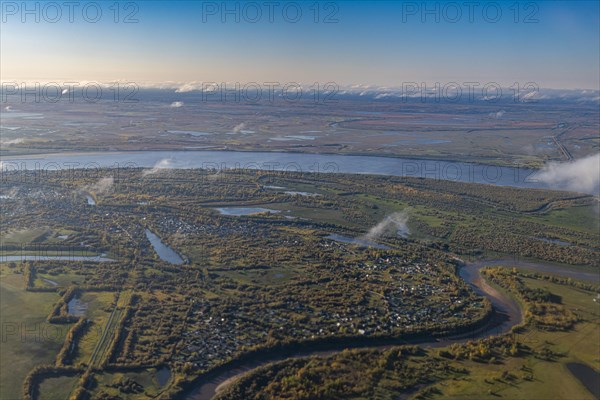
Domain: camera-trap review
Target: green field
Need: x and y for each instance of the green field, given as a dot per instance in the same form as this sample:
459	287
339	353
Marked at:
62	280
551	380
26	235
577	218
95	312
33	341
57	388
113	384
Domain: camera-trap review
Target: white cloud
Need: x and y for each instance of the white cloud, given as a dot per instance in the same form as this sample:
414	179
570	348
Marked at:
177	104
13	141
188	87
392	224
582	175
162	164
239	127
497	115
102	186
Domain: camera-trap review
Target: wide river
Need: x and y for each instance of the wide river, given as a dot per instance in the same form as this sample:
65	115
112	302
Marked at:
280	161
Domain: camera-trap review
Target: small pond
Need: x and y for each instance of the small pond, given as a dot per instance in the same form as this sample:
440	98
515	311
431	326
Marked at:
164	252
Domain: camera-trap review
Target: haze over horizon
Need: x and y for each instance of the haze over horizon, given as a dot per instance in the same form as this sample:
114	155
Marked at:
554	44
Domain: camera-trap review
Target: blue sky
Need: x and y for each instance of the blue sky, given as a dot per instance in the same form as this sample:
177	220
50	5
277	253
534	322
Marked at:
378	43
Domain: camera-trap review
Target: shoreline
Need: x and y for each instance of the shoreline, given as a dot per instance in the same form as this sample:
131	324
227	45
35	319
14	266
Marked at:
217	148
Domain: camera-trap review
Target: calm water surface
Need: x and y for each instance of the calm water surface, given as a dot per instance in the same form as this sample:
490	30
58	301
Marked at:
164	252
282	161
